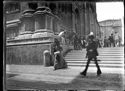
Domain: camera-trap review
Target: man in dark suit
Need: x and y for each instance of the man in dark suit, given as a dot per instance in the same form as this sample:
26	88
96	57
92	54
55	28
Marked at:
92	53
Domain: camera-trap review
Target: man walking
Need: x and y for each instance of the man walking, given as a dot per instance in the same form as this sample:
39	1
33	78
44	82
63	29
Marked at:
91	54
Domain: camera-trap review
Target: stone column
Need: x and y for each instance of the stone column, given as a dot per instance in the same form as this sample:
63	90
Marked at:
87	19
73	18
91	20
83	20
43	22
26	23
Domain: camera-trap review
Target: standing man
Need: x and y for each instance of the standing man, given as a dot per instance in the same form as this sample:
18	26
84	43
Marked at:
116	39
112	40
91	54
119	40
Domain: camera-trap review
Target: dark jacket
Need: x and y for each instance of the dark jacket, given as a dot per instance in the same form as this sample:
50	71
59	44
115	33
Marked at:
56	46
92	46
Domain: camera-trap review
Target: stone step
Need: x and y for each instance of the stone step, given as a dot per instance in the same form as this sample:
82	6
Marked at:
101	62
98	50
83	57
101	65
110	57
104	49
100	54
107	53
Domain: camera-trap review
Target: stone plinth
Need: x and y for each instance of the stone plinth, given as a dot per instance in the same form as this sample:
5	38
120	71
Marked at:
43	22
36	35
27	25
42	33
25	35
27	51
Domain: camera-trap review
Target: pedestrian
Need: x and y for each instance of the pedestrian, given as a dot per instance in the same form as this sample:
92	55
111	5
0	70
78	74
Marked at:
108	42
83	42
91	54
112	40
62	37
116	37
79	43
59	61
119	40
109	38
75	38
105	44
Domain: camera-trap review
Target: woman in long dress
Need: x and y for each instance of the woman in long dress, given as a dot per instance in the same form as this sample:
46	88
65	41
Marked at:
59	61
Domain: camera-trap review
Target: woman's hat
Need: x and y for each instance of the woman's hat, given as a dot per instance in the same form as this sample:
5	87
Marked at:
91	33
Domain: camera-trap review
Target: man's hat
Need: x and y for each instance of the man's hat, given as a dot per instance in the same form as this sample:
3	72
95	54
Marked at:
91	33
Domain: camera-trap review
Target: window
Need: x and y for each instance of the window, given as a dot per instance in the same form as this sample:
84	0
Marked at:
12	7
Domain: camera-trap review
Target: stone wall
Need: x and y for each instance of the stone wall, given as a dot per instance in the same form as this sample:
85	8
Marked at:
26	54
29	51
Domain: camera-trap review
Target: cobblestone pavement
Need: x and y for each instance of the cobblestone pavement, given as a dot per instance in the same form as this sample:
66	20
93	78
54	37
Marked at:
39	77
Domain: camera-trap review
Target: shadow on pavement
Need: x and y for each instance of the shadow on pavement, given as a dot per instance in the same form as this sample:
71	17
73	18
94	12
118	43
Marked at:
105	81
8	75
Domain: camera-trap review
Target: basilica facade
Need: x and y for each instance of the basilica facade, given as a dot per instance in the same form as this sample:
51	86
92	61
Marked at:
77	16
30	27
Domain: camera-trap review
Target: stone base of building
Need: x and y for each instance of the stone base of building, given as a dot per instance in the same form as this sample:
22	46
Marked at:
26	52
29	51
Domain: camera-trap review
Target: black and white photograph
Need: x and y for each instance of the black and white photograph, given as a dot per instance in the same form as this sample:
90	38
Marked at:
63	45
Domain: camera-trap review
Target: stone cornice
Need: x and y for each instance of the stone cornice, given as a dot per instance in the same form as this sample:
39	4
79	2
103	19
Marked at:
5	1
12	23
17	42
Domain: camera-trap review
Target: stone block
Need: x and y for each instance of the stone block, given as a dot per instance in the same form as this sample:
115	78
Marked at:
46	58
30	54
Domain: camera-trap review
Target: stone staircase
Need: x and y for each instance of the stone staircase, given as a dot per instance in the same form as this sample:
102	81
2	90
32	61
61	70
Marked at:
110	57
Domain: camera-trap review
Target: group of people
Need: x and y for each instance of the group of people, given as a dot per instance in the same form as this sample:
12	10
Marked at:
91	54
78	42
112	41
91	44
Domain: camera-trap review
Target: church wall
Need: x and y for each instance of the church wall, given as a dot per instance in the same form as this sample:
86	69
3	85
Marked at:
68	19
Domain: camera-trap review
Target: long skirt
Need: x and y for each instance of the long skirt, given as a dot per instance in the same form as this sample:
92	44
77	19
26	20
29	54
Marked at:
59	61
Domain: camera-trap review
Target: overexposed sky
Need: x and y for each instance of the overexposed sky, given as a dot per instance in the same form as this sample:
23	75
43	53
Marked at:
109	10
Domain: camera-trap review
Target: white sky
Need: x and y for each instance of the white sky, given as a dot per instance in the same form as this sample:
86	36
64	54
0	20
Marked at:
109	10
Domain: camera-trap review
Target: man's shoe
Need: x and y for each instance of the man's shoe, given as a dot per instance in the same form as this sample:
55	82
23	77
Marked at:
99	73
98	60
83	73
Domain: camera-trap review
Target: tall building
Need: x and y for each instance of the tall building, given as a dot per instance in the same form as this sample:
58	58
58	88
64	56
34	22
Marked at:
31	26
108	27
74	16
